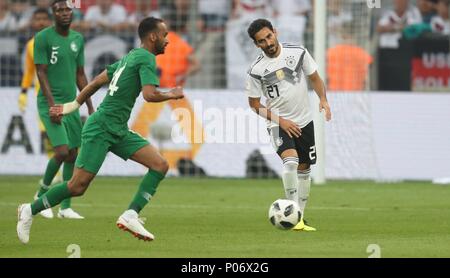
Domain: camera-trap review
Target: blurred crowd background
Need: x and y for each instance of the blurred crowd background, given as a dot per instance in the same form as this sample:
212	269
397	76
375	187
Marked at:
401	46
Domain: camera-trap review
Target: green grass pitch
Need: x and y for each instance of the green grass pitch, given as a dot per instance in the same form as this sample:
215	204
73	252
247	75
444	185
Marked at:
228	218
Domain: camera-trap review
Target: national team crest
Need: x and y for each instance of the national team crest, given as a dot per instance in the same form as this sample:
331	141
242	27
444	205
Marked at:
290	61
280	74
74	47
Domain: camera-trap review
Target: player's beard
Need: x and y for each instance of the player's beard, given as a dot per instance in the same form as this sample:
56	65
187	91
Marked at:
271	50
160	48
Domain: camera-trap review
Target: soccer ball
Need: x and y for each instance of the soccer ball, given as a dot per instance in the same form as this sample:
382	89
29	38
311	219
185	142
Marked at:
284	214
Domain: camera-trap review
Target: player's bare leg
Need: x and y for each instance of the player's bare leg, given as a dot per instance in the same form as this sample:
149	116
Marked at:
129	221
80	182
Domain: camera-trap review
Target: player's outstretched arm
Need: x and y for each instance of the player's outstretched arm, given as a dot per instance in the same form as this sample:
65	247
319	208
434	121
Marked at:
319	88
151	94
86	93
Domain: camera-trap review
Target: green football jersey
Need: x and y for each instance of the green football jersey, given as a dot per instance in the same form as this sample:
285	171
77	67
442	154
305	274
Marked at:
63	55
128	76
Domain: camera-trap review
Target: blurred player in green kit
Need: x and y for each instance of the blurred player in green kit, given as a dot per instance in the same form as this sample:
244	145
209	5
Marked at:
59	60
107	131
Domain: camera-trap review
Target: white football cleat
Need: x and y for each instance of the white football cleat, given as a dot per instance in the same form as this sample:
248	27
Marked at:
46	213
130	222
69	213
24	221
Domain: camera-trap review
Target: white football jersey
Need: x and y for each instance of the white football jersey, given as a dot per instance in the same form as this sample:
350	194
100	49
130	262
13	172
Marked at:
439	25
390	39
282	81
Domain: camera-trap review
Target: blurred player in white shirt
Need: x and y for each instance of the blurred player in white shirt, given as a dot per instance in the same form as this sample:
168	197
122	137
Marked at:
251	9
392	23
279	75
441	22
106	16
291	19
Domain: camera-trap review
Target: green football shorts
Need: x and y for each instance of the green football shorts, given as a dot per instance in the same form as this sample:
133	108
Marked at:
66	133
97	142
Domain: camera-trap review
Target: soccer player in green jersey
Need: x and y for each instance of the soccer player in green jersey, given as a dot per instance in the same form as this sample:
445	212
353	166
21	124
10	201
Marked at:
59	60
107	131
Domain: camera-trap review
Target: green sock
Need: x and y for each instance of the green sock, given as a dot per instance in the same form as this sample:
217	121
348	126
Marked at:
53	197
147	189
67	175
50	173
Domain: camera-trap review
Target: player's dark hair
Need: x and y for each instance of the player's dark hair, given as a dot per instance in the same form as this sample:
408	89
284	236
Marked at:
257	25
42	11
148	25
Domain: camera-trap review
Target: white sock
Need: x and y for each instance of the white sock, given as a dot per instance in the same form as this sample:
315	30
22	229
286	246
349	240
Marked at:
304	186
290	181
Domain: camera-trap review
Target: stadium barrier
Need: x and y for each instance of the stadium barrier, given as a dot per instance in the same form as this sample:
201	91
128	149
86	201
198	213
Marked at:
380	136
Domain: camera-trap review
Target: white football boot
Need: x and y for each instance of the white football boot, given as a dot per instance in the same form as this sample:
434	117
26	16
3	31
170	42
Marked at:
24	221
130	222
69	213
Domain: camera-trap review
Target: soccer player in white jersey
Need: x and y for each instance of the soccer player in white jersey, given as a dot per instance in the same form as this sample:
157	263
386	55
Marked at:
279	75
